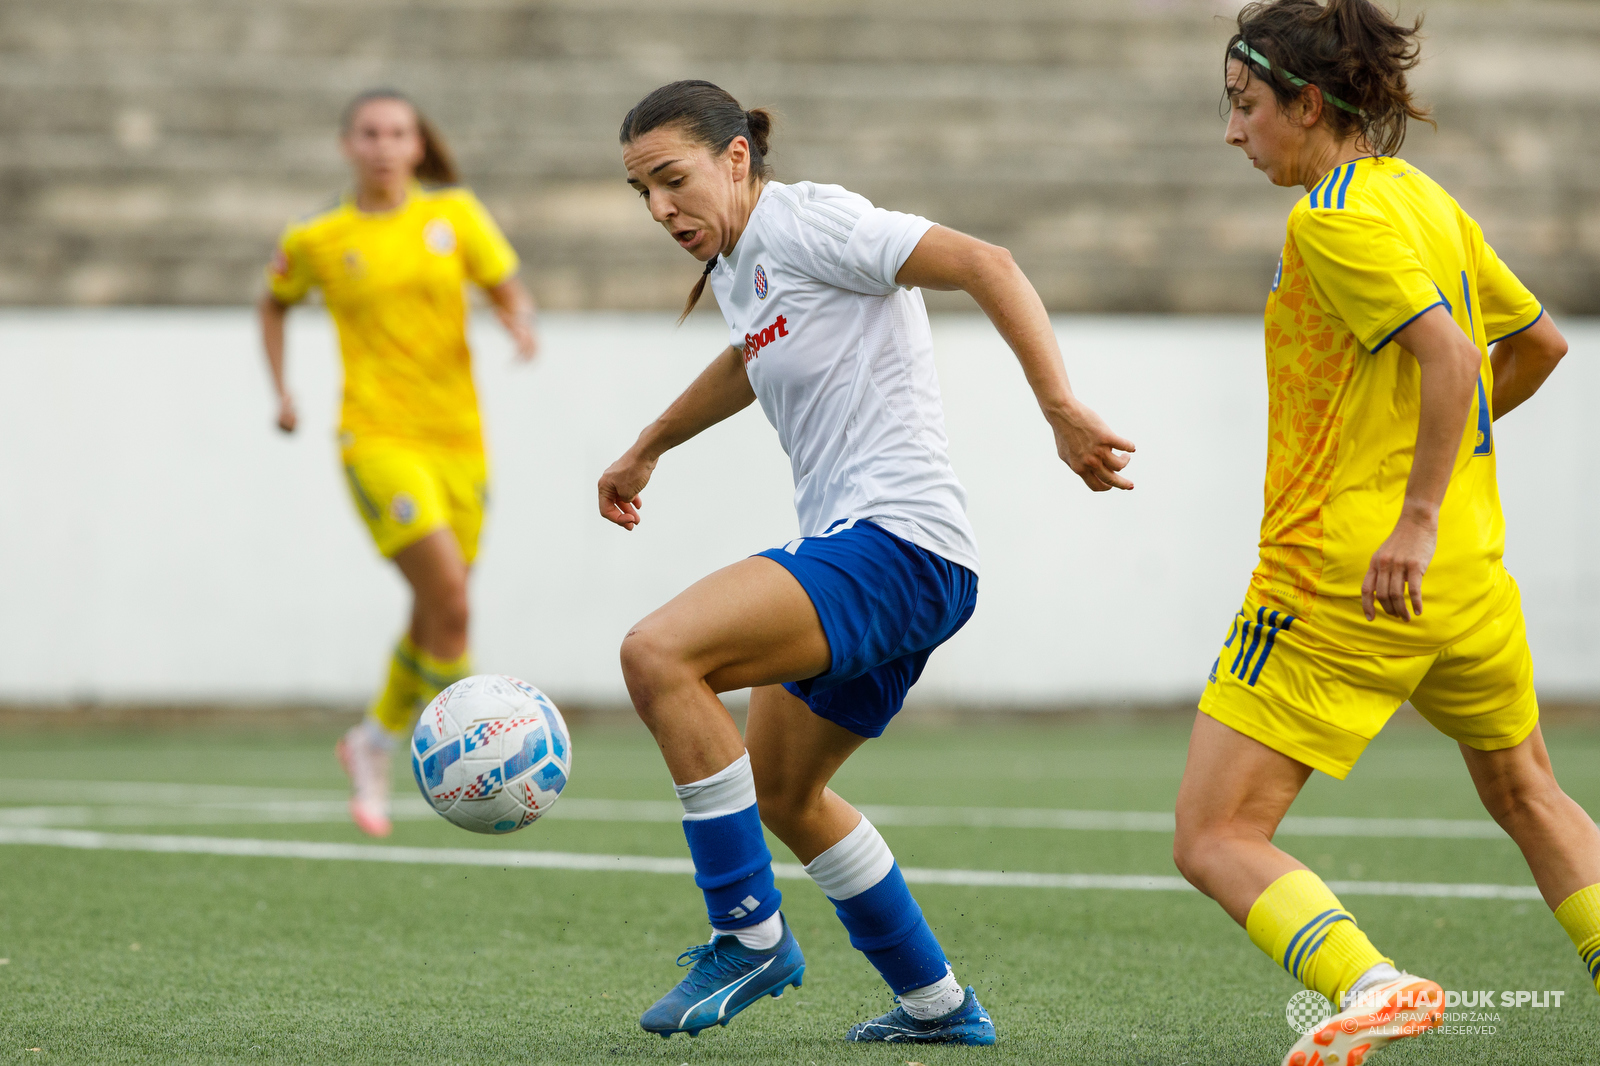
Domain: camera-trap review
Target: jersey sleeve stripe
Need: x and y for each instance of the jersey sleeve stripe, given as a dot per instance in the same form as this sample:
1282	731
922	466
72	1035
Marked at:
1327	190
1514	332
1317	188
1437	303
1349	172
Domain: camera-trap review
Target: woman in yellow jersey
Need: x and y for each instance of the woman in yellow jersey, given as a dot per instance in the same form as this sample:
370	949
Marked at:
1394	337
392	258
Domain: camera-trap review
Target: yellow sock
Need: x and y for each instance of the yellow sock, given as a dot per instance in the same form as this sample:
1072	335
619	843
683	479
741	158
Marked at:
1579	915
1299	923
415	677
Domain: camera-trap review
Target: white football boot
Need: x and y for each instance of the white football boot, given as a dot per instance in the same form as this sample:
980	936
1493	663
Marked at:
1405	1006
366	760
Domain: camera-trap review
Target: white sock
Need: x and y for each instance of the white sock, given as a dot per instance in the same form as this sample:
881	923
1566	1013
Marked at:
728	791
377	733
935	1000
854	864
763	936
1376	975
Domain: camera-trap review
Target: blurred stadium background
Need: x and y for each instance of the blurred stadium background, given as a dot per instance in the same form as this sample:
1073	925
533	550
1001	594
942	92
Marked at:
164	545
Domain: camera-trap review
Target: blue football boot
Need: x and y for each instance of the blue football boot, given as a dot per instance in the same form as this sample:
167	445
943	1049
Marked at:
967	1024
727	977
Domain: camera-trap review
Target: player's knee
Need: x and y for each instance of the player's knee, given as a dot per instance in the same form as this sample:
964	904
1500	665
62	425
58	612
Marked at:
1197	845
1186	854
780	809
651	664
1513	801
452	610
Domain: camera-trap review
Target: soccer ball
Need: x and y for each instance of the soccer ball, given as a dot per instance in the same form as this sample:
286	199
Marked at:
491	753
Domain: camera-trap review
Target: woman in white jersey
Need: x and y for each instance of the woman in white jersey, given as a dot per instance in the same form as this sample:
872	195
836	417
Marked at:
827	330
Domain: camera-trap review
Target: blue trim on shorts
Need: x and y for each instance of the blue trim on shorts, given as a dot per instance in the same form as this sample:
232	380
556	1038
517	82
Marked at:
884	604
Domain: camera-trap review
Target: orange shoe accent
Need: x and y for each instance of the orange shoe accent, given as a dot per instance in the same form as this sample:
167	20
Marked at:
1406	1006
371	822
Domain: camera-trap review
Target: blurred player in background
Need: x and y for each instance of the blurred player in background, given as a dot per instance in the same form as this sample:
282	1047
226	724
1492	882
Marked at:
392	257
828	331
1380	469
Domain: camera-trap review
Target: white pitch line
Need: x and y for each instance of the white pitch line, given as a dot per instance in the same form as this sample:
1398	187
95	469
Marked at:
155	803
567	860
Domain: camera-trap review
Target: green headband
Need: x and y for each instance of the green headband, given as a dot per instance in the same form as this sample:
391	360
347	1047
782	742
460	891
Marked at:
1246	52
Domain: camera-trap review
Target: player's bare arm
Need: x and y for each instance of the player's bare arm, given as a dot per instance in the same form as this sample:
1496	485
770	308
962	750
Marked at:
1523	361
947	260
721	391
272	313
1450	363
514	308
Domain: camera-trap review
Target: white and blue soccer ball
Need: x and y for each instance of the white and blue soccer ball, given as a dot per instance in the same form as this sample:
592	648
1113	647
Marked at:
491	753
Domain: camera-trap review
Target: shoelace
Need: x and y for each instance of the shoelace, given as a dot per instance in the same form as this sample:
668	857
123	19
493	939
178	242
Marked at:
709	964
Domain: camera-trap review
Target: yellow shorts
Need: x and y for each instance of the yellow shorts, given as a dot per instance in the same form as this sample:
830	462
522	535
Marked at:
1321	705
405	491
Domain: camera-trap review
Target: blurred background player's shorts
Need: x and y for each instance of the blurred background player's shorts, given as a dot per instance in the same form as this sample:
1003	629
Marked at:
404	491
1321	705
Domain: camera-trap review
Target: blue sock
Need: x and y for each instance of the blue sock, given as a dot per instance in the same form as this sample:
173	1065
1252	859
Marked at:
863	882
887	926
732	865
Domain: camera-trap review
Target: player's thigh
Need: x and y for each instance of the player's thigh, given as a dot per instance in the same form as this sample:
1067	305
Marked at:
746	625
1277	684
1479	691
794	753
1231	778
397	494
434	568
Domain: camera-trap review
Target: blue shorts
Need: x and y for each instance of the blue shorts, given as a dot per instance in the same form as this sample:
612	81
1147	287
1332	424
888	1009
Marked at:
885	604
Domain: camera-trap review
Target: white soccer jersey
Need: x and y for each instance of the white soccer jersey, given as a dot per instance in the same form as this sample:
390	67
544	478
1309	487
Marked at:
841	358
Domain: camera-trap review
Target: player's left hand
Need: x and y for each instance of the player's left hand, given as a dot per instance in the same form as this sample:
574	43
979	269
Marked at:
1087	445
1398	565
620	486
523	337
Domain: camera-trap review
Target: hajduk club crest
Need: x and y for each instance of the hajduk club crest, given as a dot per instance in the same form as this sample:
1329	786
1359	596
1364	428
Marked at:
761	282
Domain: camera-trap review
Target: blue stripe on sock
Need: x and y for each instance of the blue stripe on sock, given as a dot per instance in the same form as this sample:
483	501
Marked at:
1304	930
733	867
887	926
1306	948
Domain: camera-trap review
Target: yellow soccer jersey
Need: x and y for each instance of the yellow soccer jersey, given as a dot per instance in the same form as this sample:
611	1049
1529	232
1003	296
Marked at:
393	282
1373	246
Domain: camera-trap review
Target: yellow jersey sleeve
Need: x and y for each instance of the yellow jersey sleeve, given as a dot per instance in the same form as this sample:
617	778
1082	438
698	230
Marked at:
488	256
289	275
1504	302
1363	270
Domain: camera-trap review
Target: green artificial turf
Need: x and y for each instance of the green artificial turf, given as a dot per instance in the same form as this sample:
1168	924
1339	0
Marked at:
276	960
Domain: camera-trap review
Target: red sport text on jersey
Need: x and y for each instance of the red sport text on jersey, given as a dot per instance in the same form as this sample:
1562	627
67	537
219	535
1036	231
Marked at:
754	342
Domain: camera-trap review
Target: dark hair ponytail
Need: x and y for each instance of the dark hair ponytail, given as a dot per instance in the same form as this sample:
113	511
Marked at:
1353	51
711	116
438	166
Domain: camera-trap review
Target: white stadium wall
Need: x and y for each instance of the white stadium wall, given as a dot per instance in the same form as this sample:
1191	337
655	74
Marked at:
161	541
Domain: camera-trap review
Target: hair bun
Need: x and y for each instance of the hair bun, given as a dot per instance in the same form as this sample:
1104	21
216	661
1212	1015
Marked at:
760	122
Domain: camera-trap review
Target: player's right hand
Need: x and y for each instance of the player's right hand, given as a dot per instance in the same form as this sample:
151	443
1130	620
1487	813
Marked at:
620	486
1087	445
287	418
